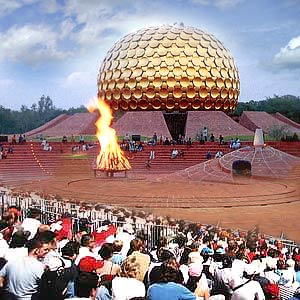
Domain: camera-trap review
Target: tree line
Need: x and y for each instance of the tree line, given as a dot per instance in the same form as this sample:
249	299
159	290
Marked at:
25	119
287	105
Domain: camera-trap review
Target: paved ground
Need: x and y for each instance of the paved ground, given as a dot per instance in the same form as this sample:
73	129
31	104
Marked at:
274	205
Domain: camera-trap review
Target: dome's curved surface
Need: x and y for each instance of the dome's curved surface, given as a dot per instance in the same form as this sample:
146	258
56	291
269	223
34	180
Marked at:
169	68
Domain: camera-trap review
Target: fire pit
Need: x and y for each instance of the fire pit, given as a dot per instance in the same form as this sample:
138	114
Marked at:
111	158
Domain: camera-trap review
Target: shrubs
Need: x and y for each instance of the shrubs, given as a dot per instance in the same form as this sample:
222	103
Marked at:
290	138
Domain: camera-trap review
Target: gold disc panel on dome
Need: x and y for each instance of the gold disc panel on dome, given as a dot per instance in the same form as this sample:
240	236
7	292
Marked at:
169	68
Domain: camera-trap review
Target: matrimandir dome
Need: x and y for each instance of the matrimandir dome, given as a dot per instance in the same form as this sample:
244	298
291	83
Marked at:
169	68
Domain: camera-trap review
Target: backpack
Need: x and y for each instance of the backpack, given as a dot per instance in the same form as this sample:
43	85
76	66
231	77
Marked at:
53	285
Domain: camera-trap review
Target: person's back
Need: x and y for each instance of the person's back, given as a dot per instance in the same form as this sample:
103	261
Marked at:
169	290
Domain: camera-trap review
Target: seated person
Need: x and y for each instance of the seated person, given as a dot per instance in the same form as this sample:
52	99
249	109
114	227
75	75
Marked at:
75	148
212	137
219	154
4	154
174	153
43	143
236	144
181	153
10	149
140	146
167	141
64	139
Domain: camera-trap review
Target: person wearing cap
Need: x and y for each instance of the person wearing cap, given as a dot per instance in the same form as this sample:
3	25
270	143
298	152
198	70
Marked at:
90	265
198	284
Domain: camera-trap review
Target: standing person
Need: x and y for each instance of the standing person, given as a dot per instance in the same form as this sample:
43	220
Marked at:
23	274
32	223
81	139
205	133
152	155
154	139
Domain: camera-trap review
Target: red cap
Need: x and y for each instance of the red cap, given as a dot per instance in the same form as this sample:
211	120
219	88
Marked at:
297	258
90	264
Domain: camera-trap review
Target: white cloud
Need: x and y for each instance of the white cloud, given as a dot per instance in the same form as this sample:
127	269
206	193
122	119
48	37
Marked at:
289	56
94	19
223	4
66	28
50	6
30	44
9	6
6	82
79	79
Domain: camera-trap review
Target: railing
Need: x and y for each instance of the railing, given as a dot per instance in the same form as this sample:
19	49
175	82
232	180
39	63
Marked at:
52	210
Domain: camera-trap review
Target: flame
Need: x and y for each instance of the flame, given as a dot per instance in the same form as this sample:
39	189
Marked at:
111	156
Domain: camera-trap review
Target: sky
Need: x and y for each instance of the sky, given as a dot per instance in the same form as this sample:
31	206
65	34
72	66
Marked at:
55	48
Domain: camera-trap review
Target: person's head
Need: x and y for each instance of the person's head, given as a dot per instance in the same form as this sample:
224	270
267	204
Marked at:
49	237
86	284
130	268
88	241
71	250
136	245
37	247
167	274
8	218
171	262
15	211
281	265
106	251
164	254
162	242
117	245
19	239
34	213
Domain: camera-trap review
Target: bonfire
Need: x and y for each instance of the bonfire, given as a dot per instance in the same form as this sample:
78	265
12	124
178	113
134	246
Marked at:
111	157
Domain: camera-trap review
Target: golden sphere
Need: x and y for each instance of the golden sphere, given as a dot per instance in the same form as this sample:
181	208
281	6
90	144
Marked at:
169	68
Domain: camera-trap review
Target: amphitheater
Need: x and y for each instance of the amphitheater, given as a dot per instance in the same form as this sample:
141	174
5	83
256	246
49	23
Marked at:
190	188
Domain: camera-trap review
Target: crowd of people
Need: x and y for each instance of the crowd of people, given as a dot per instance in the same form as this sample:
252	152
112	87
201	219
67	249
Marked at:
51	261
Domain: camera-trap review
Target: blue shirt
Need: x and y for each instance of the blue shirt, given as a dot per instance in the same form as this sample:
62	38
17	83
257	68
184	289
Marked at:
170	290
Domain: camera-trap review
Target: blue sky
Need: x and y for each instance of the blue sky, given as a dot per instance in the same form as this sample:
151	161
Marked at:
56	47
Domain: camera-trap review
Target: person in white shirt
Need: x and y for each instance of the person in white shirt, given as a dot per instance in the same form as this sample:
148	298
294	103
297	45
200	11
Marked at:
23	274
32	223
127	286
87	248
